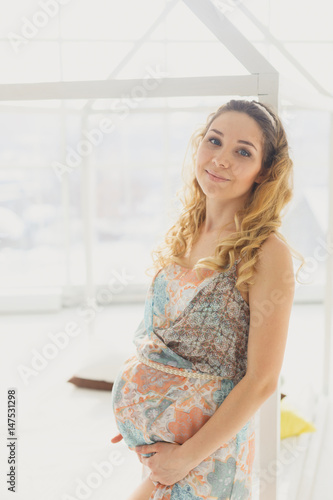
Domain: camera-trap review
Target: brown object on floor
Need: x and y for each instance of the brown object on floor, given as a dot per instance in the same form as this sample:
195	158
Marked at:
87	383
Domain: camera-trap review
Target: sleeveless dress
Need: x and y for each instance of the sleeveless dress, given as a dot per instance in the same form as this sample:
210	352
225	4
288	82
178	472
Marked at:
191	326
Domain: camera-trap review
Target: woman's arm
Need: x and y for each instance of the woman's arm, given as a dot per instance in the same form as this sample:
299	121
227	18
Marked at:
270	300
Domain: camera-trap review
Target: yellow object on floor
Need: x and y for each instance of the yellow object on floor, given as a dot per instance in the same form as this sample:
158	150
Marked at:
293	424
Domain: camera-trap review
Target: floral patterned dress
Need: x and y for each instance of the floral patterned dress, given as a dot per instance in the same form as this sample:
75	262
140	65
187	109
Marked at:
191	325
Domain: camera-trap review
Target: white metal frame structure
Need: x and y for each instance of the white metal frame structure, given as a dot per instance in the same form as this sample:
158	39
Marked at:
263	80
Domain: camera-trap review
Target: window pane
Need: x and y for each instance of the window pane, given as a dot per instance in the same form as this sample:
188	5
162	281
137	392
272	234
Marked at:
31	228
41	237
306	222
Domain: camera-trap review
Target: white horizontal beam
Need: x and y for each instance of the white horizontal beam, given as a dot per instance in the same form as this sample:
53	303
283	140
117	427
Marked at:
244	85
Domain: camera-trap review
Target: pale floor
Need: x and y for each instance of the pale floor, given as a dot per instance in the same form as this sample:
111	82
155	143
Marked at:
63	447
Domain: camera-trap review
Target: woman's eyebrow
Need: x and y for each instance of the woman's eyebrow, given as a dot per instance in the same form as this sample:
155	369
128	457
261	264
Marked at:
241	141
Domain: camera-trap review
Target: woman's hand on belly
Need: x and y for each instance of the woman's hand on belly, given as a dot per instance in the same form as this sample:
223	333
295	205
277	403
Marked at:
167	465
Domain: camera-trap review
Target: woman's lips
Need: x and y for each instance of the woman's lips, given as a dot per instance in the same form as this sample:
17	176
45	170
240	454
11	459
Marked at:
215	178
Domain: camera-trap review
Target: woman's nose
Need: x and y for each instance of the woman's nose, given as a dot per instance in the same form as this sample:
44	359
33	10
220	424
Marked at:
221	161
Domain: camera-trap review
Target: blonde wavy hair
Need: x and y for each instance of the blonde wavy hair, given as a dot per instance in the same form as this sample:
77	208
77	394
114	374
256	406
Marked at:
254	222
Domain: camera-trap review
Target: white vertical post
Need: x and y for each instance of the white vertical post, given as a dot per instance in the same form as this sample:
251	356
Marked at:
269	434
327	382
88	210
306	490
65	199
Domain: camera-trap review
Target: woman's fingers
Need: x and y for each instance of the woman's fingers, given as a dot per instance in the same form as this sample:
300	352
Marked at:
117	438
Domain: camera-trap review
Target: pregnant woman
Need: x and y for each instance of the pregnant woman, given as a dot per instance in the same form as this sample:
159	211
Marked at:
210	347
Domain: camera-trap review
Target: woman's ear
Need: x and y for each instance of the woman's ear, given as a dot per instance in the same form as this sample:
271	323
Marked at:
260	178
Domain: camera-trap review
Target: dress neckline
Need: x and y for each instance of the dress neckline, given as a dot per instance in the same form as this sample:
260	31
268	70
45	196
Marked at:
247	306
208	277
192	268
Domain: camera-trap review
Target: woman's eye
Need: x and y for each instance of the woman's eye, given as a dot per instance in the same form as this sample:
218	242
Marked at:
218	142
245	151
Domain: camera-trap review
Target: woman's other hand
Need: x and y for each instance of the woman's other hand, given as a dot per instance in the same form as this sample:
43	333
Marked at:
168	465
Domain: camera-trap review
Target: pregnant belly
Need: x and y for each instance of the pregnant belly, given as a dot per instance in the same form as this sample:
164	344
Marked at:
151	405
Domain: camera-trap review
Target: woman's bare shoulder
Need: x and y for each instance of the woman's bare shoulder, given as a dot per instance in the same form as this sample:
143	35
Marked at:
274	246
275	260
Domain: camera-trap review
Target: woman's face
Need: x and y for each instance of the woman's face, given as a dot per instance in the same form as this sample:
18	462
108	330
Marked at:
223	152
